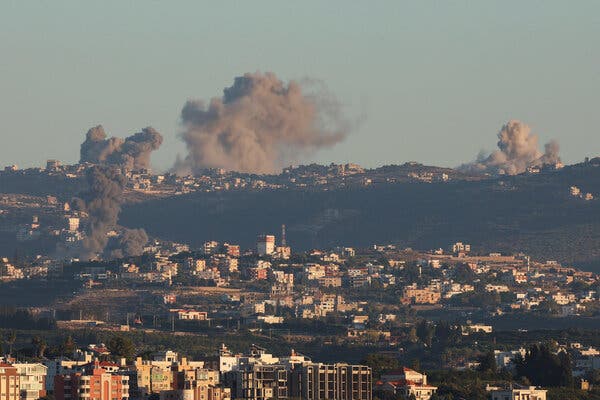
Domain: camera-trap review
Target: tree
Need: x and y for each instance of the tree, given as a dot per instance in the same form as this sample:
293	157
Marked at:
549	307
544	368
39	345
425	332
68	347
380	363
487	362
11	339
412	335
415	364
120	346
445	333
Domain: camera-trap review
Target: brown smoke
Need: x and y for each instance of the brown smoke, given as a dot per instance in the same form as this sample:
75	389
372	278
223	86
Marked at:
517	150
132	152
259	125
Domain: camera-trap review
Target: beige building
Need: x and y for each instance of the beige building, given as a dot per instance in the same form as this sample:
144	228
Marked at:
421	296
32	380
190	315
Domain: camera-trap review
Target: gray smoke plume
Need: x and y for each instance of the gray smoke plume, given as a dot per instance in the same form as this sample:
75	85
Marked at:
517	150
103	204
132	152
258	126
130	243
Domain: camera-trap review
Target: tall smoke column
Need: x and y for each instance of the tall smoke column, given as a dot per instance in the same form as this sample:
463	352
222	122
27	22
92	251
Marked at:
551	150
132	152
258	126
517	150
103	204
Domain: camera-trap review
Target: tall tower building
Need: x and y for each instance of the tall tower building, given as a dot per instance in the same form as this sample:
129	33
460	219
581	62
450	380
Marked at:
265	245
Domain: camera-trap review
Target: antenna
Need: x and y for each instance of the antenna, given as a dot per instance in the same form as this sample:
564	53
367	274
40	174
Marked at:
283	243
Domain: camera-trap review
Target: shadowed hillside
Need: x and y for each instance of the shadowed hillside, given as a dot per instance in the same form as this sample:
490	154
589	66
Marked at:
532	213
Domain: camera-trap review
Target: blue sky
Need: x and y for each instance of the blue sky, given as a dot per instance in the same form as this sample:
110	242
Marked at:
435	80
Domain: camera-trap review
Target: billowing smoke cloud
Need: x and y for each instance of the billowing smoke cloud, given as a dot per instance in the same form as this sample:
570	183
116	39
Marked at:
130	243
102	202
258	126
517	150
132	152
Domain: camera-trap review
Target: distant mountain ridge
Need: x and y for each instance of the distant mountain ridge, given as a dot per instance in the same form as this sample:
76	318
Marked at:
411	205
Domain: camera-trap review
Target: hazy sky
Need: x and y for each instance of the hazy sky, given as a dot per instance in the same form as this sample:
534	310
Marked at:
435	80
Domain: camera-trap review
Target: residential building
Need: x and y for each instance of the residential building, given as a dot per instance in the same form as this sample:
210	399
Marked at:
420	296
93	383
10	387
265	245
189	315
476	328
514	393
316	381
405	383
32	380
259	382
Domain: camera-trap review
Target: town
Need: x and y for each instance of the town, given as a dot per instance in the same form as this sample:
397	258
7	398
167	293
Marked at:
299	200
354	323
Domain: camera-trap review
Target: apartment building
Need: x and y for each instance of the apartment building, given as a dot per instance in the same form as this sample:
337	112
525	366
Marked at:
513	393
259	382
32	380
420	296
10	387
316	381
93	383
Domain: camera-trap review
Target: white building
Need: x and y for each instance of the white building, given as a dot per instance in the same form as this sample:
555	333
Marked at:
405	383
525	393
33	380
476	328
460	247
505	358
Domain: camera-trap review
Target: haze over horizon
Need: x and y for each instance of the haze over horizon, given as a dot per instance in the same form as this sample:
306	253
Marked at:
442	80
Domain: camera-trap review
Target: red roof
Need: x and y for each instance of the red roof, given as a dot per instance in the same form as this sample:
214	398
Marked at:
100	350
107	364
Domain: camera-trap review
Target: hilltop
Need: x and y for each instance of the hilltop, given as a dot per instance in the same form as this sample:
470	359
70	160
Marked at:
535	213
